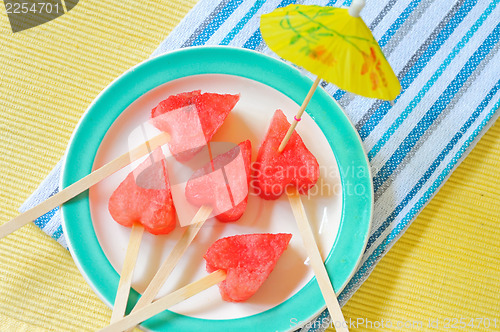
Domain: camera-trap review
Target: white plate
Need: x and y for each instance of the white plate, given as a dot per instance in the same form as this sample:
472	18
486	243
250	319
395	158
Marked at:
339	207
248	120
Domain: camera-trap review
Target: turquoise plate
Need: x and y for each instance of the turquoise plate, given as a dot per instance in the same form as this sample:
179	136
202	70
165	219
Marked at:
353	168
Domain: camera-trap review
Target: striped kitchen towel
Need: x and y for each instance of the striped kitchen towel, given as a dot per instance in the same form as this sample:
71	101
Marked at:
445	54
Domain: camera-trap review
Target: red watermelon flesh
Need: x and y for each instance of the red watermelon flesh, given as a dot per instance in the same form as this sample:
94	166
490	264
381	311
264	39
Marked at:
191	119
223	183
247	259
175	102
144	197
295	165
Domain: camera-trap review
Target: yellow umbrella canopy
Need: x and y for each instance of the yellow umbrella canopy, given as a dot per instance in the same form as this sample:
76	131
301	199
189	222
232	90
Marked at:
333	43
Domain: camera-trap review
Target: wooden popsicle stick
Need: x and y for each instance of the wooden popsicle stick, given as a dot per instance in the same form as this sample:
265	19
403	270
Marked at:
166	302
83	184
175	255
177	252
299	114
315	259
125	282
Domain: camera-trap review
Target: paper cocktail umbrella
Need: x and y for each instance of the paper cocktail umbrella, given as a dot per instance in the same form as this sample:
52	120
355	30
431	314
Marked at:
333	43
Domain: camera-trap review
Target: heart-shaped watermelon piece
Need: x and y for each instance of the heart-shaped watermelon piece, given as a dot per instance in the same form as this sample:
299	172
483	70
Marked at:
248	260
295	165
223	183
191	119
145	197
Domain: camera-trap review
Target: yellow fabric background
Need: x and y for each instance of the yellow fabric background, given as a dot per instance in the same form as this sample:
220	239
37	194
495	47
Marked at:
445	266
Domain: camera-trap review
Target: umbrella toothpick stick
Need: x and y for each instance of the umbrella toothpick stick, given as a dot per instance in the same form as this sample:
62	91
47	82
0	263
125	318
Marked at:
355	7
298	116
316	261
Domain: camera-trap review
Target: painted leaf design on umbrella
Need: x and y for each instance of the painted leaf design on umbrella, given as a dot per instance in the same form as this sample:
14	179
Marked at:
312	32
332	44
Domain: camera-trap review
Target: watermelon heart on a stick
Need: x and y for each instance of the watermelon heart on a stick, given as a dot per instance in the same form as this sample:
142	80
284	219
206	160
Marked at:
284	164
219	187
144	197
247	259
191	119
223	183
240	264
295	166
142	201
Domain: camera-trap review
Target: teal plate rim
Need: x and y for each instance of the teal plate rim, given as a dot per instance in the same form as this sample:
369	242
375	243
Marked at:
357	205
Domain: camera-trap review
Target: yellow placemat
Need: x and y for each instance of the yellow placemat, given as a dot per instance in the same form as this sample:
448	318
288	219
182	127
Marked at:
48	77
445	266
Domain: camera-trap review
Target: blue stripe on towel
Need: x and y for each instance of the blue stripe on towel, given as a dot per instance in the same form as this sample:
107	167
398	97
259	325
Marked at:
44	220
417	68
58	233
251	13
398	23
331	3
256	39
429	84
436	109
435	164
218	20
397	231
